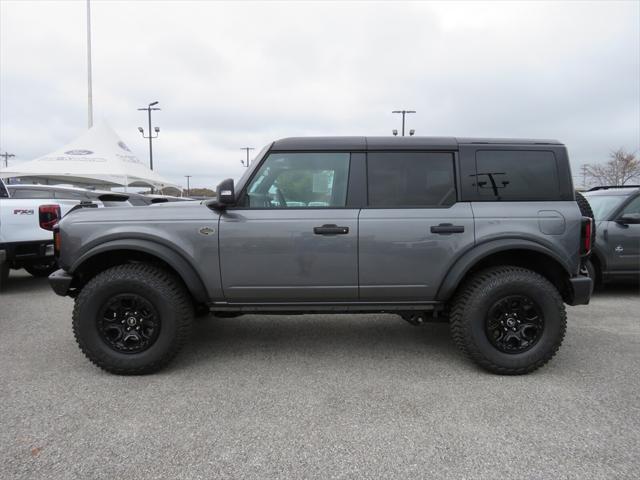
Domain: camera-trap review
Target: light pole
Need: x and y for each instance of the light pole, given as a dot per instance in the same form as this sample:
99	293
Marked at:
188	189
6	156
247	150
150	136
404	112
89	81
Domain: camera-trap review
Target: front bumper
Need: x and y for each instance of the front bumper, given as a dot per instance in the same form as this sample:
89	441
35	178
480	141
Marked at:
60	281
582	286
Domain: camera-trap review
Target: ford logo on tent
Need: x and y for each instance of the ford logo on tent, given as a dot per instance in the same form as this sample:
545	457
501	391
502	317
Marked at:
79	152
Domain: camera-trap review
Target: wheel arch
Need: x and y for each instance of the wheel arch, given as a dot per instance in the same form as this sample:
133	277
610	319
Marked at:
521	253
119	252
599	261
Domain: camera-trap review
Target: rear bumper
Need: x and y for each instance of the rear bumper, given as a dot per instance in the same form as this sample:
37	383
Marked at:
21	253
60	282
582	286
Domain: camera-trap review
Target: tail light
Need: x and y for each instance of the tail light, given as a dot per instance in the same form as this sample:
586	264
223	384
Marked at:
49	216
586	235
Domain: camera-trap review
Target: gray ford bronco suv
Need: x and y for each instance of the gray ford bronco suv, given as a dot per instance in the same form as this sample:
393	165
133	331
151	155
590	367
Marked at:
485	234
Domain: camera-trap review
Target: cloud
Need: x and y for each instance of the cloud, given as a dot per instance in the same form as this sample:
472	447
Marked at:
229	75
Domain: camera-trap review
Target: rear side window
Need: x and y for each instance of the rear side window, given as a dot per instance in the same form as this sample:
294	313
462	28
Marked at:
516	175
3	191
410	179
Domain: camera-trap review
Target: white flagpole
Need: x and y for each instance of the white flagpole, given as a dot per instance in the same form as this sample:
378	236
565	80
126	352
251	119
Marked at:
90	93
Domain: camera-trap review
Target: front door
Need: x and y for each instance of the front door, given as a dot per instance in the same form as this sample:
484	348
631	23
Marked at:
293	239
624	243
412	227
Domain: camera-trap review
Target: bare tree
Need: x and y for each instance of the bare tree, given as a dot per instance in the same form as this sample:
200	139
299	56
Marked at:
622	167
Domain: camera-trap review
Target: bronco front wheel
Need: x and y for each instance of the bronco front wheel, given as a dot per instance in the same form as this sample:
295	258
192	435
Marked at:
132	319
509	320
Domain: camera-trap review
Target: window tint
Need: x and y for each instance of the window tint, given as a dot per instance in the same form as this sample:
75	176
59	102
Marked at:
31	193
3	191
410	179
633	207
516	175
300	180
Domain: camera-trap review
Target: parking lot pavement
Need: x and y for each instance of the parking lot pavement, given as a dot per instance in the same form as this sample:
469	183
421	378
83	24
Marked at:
348	396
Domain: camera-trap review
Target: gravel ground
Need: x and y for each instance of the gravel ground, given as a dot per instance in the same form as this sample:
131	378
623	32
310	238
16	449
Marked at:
347	396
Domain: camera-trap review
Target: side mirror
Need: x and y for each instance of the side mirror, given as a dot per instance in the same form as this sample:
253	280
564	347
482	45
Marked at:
226	193
629	219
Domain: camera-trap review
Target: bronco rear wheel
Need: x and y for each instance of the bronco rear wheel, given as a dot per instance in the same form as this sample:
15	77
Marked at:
509	320
132	319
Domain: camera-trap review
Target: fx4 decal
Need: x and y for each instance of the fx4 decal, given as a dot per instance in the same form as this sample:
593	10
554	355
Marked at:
18	211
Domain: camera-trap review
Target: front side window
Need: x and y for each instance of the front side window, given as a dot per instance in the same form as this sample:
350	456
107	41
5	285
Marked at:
410	179
633	207
300	180
517	175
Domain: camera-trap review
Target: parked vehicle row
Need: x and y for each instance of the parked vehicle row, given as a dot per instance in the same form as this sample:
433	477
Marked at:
29	212
485	233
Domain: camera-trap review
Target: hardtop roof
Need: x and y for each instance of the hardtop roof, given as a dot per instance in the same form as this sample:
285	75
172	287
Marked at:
394	143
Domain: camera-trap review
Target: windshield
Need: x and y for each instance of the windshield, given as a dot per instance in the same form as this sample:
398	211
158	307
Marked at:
604	205
248	171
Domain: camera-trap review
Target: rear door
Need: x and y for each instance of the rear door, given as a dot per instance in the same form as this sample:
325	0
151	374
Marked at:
294	239
413	225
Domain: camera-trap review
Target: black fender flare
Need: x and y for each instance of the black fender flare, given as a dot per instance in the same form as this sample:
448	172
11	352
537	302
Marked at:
479	252
183	268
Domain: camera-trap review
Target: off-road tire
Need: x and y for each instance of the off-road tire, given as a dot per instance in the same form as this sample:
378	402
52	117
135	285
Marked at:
592	271
4	275
167	295
470	307
40	270
587	211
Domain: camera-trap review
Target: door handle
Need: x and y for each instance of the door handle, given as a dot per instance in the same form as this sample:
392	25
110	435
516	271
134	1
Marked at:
330	229
447	228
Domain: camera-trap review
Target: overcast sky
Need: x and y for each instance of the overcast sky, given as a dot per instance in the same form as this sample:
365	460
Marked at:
229	75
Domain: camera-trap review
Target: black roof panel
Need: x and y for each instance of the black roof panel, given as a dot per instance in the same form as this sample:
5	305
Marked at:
508	141
320	143
395	143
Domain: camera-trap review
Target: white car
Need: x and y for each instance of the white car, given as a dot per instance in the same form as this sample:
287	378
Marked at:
27	216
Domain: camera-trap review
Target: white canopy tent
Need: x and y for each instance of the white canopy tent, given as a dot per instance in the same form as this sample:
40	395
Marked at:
97	158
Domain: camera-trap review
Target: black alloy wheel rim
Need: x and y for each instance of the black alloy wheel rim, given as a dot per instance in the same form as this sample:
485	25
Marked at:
514	324
128	323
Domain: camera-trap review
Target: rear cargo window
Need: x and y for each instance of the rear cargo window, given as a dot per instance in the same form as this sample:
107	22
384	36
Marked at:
516	175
